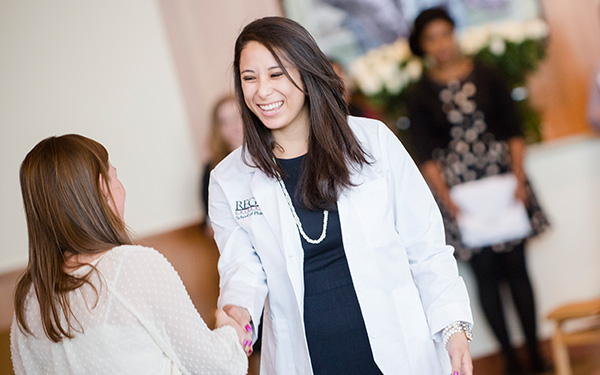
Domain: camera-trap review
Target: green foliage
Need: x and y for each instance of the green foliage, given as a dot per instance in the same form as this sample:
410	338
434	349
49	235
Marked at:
515	59
516	63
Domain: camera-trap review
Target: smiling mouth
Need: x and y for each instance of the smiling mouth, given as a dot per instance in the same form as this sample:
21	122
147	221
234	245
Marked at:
271	107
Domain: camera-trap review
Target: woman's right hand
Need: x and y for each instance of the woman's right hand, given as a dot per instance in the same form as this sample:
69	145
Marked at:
432	171
244	334
240	314
243	318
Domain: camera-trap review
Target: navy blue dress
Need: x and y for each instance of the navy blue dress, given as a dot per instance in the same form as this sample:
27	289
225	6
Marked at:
335	330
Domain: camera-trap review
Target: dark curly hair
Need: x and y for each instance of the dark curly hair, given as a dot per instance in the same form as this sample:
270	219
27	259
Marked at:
422	20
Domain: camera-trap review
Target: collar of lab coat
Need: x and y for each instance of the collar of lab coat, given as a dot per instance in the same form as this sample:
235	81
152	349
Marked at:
276	212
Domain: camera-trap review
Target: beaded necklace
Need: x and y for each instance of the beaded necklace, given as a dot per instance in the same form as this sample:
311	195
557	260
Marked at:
297	219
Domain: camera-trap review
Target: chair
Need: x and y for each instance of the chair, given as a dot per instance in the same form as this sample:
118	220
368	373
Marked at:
562	339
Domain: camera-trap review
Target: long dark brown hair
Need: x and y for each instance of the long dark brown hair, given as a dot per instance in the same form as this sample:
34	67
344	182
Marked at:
67	214
333	150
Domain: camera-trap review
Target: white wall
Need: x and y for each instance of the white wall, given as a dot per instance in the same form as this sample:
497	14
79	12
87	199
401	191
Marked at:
102	69
202	35
564	263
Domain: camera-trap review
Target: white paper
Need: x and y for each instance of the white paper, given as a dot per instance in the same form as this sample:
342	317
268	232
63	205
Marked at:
489	212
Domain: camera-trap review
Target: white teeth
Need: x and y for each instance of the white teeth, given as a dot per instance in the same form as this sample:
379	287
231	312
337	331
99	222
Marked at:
272	106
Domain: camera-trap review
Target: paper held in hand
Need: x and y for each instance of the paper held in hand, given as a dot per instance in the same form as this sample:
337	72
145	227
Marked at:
489	212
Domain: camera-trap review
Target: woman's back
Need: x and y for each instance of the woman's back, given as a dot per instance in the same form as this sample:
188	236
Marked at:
143	322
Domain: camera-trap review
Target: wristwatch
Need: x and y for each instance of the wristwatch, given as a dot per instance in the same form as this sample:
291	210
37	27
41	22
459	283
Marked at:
457	327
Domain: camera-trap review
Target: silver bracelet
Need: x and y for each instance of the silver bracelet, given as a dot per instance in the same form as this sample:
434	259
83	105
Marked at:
457	327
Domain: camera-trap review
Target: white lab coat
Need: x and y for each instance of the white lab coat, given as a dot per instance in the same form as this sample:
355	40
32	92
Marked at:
405	276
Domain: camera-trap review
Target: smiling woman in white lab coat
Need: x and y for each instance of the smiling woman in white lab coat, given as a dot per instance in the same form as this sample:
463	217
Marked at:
325	222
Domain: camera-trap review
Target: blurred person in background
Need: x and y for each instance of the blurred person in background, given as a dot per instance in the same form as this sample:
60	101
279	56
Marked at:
226	134
469	146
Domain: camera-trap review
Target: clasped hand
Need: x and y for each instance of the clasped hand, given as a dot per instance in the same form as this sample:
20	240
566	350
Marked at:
239	318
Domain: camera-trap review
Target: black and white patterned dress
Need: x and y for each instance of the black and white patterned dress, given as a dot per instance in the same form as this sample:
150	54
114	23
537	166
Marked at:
465	126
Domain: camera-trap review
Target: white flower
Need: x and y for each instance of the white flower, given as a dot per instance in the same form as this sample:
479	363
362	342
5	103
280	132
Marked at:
399	50
474	39
497	46
397	82
387	70
512	31
414	69
392	67
358	67
369	84
536	29
364	76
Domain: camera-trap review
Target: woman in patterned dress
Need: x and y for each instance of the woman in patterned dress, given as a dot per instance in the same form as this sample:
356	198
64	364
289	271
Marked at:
467	128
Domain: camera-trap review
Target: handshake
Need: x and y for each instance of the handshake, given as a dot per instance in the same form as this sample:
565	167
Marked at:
239	318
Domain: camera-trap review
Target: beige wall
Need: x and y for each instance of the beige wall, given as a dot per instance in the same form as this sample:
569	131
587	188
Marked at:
202	35
563	263
105	69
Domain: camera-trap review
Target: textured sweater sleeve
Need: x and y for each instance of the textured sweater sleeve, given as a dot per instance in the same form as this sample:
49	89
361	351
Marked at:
17	361
150	288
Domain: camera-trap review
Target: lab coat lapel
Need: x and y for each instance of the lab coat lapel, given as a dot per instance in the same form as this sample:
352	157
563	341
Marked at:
265	192
276	212
352	229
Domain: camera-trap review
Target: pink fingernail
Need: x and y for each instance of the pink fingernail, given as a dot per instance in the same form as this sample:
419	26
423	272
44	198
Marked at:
250	342
245	342
250	351
455	373
248	328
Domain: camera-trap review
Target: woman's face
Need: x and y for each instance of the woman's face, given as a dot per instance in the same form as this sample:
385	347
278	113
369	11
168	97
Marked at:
269	93
231	127
437	41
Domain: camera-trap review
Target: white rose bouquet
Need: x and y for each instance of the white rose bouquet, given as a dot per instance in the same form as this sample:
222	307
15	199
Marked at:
514	47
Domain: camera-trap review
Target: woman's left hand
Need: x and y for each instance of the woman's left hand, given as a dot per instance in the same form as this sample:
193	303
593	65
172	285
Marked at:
460	357
244	335
521	192
516	148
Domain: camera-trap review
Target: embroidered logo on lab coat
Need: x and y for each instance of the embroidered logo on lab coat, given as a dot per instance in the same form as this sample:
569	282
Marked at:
246	208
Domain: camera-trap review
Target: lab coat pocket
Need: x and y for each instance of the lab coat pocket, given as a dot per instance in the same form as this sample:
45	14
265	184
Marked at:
410	311
415	330
276	340
374	211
